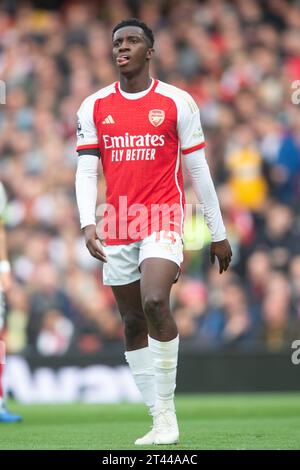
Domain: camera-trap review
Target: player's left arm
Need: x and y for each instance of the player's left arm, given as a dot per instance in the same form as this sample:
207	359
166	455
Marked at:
192	149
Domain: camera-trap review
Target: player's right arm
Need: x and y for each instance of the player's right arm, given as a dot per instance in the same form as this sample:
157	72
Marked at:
86	178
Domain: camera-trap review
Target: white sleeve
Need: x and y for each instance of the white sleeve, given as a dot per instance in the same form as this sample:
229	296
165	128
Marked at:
86	188
203	185
189	125
87	138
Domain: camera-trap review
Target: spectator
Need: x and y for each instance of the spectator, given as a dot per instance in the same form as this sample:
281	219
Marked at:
230	324
278	328
55	335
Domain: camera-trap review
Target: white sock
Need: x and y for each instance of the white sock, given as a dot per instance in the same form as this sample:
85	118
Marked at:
140	363
164	356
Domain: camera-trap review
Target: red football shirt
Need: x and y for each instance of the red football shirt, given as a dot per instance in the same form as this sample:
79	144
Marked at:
140	141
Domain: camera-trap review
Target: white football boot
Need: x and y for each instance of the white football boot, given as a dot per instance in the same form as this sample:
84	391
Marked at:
147	439
166	427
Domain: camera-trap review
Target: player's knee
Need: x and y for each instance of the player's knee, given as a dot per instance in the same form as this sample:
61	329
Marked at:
155	306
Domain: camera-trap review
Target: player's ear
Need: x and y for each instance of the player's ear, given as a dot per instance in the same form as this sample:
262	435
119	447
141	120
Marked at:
150	53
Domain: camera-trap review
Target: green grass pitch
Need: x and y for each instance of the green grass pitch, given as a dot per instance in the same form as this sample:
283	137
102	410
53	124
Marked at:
256	421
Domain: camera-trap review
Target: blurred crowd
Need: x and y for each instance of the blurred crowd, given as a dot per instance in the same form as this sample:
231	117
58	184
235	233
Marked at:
239	60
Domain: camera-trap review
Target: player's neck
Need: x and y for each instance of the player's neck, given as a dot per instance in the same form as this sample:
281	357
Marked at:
135	84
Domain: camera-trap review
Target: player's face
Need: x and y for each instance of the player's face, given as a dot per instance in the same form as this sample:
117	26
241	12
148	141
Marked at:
131	49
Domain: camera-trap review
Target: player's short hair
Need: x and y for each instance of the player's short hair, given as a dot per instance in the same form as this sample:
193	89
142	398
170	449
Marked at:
135	22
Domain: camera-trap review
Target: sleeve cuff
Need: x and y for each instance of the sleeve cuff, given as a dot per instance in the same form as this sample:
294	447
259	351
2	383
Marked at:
85	223
219	237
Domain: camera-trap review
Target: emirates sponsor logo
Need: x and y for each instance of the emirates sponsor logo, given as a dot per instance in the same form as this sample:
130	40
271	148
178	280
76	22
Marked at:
156	117
133	141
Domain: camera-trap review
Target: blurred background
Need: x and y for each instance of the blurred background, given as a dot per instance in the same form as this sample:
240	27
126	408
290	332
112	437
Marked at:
238	60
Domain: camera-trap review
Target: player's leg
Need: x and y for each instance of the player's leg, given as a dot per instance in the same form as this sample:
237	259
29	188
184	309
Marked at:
156	281
137	352
160	258
122	274
128	299
157	278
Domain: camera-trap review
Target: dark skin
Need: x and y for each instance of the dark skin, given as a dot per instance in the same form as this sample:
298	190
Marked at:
134	75
145	304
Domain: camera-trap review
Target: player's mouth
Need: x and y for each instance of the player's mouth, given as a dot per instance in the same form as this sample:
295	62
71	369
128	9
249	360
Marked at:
123	60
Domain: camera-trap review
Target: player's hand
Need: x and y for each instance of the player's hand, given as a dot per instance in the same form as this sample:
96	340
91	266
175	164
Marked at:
93	243
221	250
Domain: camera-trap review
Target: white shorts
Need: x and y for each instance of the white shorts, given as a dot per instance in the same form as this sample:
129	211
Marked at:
123	261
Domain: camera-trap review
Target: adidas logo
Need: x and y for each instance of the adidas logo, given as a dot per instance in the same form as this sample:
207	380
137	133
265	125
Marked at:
108	120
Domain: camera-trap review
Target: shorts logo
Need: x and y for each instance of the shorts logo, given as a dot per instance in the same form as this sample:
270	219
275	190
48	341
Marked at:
156	117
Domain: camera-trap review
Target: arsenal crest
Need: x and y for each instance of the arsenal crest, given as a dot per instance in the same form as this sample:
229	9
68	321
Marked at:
156	117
